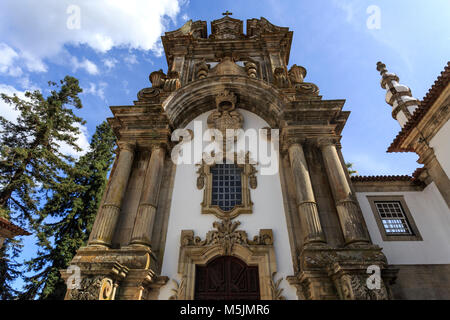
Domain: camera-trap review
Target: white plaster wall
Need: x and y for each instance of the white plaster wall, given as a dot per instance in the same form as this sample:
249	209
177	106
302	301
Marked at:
268	213
441	146
432	218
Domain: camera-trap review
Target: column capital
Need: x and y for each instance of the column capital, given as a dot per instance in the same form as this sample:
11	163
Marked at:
152	146
327	141
289	141
127	145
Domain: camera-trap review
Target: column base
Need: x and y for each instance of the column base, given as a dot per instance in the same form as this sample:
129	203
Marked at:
128	273
351	273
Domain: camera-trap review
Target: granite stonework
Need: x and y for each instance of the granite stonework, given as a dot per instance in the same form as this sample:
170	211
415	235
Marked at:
330	245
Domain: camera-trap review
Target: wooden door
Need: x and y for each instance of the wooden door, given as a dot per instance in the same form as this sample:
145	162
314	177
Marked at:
226	278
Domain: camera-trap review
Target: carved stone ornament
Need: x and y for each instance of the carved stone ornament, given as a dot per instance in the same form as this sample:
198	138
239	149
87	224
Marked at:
331	273
257	27
354	287
226	116
160	82
227	236
178	290
307	89
89	289
248	180
227	29
280	78
276	290
226	239
107	289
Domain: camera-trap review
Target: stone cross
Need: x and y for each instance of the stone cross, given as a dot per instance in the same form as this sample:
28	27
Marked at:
227	13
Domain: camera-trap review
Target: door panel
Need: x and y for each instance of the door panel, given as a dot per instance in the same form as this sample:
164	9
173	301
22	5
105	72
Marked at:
226	278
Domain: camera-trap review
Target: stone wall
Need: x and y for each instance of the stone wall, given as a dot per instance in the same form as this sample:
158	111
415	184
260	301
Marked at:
428	282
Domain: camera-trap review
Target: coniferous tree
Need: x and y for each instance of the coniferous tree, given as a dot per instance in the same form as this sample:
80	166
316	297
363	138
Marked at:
31	154
73	205
9	268
31	159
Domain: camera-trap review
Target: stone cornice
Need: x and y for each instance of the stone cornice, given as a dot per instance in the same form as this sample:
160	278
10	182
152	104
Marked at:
9	230
193	38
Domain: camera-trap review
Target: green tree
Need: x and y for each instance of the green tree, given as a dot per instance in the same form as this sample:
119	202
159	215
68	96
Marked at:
350	170
31	156
31	160
73	207
9	268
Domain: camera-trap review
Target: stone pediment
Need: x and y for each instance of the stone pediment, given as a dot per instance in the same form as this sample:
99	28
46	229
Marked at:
198	29
227	29
256	27
227	67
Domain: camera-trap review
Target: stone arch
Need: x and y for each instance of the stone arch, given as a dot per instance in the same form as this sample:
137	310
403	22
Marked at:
197	97
262	256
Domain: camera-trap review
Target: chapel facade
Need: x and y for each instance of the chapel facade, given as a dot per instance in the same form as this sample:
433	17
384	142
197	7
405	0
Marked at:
276	215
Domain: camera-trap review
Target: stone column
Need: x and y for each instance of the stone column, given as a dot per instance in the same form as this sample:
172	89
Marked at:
105	224
306	203
143	225
350	217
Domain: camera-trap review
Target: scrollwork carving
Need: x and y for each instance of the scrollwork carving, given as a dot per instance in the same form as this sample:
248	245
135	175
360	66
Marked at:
89	289
227	236
178	290
275	287
107	289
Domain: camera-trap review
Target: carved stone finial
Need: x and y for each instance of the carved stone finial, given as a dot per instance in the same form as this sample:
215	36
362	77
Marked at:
280	78
250	67
297	74
202	69
157	78
381	67
397	95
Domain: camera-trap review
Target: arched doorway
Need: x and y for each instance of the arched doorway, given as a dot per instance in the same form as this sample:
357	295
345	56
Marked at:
225	278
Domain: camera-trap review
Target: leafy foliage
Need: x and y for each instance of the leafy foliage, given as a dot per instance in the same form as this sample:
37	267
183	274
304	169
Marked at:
73	207
32	162
30	154
9	268
349	166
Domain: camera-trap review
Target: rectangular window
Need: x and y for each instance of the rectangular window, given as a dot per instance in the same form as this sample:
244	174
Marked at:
226	186
393	218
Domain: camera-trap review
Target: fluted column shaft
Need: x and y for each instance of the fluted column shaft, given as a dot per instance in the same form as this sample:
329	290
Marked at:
145	218
105	224
350	217
306	203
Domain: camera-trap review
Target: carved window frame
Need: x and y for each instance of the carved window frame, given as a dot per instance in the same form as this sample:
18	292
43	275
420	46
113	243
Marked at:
415	234
248	180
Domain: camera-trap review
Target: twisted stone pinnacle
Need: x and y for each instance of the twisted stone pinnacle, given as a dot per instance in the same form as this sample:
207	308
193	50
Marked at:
381	67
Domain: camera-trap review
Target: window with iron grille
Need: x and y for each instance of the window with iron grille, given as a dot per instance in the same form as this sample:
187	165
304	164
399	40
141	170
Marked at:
226	186
393	217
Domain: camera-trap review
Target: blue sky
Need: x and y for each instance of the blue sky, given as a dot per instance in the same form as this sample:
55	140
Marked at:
118	45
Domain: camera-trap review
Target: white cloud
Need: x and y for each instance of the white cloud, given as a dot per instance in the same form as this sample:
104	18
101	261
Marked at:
110	63
95	90
39	31
131	59
7	111
7	57
82	142
125	87
86	64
